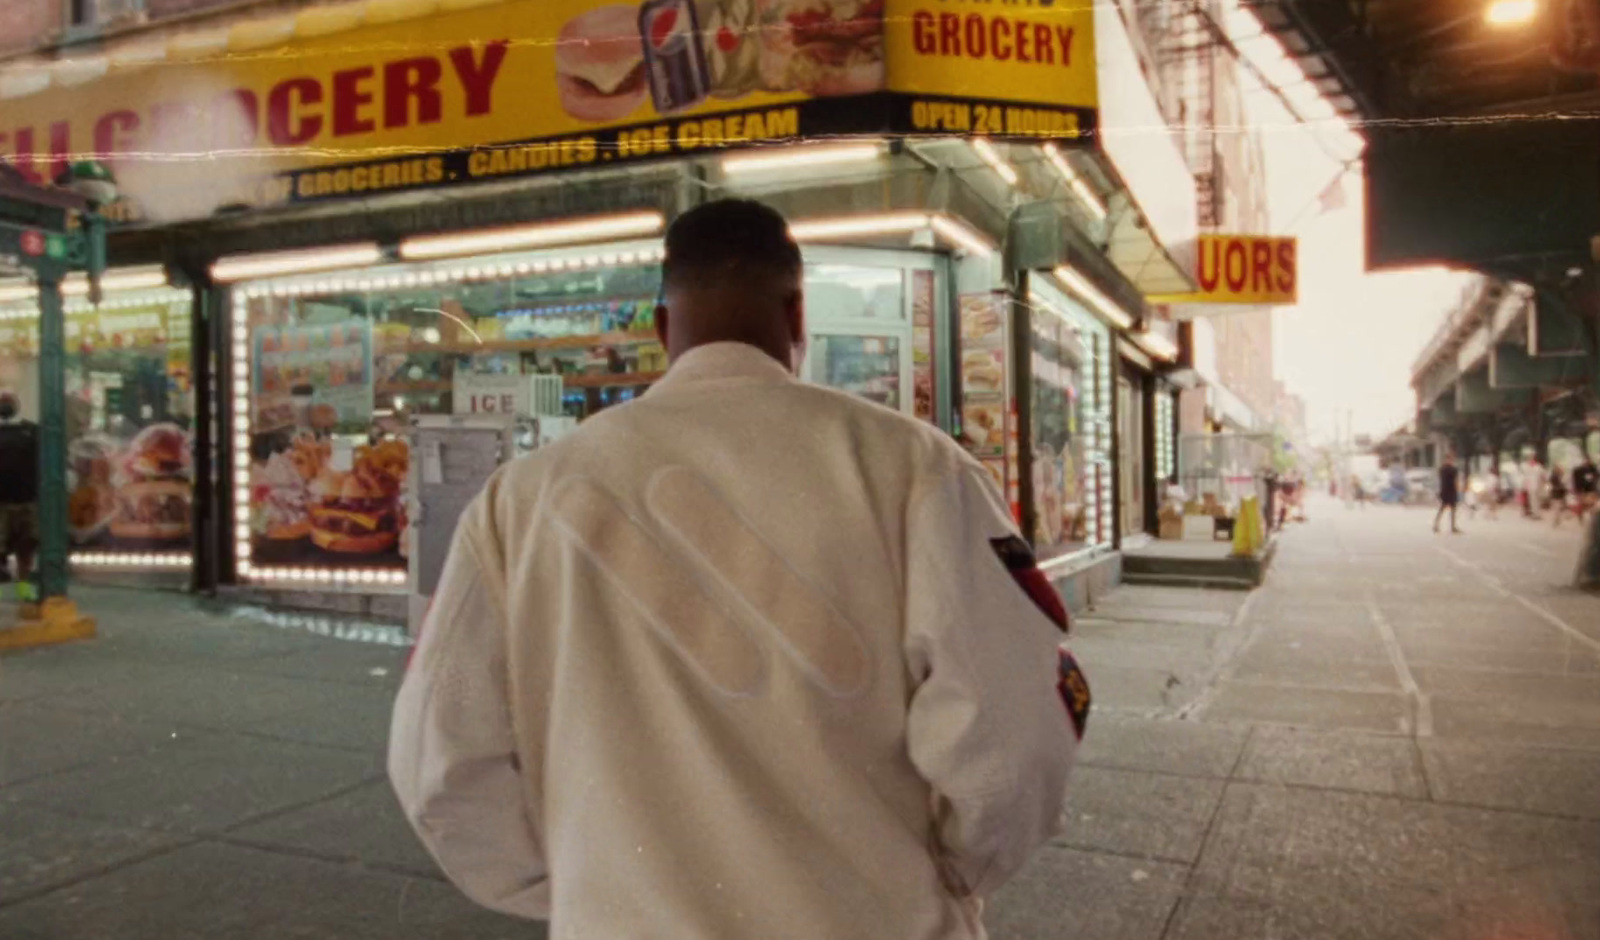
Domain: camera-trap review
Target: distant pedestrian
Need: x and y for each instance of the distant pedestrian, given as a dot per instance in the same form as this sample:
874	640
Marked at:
682	678
1586	486
1559	497
1533	483
1449	493
1496	493
19	491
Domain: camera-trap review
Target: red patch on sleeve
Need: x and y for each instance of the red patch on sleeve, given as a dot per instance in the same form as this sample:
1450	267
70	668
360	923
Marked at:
1018	558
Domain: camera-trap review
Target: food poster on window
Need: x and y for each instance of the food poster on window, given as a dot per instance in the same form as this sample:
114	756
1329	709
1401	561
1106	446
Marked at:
924	368
130	446
983	374
322	493
316	377
1058	467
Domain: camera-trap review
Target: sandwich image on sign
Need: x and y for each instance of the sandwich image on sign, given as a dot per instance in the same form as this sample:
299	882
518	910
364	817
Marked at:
153	502
733	54
600	68
827	48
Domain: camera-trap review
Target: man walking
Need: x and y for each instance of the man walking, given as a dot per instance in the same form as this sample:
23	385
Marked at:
1586	486
742	658
1449	493
19	491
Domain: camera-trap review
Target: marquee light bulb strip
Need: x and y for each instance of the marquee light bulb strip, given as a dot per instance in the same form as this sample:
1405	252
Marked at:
175	560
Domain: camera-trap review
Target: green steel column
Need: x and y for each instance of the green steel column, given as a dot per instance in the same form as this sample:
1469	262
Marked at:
52	440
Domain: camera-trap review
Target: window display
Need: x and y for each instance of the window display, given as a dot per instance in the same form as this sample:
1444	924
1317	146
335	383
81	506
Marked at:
1070	426
329	368
130	414
337	365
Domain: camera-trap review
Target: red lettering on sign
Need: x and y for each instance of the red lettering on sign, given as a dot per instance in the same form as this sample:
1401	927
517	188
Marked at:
1210	265
949	34
1235	274
1260	267
477	78
60	148
977	37
411	80
1000	39
1044	44
1288	272
113	134
23	161
349	98
923	33
288	126
1066	34
1024	37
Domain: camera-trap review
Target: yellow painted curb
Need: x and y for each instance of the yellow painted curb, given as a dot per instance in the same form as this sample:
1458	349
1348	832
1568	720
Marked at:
56	621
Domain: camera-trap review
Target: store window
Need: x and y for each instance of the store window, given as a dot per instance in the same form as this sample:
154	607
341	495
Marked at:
338	364
130	417
1070	424
330	368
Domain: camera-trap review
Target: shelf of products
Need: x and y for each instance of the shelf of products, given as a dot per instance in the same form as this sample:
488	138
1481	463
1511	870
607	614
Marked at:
490	346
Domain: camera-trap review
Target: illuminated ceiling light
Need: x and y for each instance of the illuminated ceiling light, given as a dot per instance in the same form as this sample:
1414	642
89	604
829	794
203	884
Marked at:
952	231
143	278
1079	186
1158	345
1088	293
533	236
805	155
278	263
996	162
861	225
1511	12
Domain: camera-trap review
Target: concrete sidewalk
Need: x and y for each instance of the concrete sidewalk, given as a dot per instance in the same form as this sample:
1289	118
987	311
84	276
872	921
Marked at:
1397	737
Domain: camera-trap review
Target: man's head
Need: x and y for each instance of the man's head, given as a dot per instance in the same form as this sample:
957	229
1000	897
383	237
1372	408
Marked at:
1449	460
9	406
732	274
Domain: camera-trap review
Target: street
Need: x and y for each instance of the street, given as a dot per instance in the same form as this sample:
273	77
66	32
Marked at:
1399	736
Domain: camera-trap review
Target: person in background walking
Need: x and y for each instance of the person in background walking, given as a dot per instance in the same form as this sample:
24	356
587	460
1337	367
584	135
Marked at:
744	657
19	491
1496	493
1449	493
1533	480
1559	504
1586	486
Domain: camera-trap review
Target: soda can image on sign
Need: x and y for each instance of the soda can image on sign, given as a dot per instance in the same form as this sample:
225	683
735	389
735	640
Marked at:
674	54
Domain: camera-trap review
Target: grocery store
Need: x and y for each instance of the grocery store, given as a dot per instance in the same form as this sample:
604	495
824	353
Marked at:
983	282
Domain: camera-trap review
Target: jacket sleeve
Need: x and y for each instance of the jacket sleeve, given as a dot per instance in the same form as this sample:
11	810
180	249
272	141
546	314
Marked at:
998	704
452	753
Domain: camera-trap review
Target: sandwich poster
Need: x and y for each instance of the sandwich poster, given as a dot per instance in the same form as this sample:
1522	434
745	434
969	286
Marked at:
406	95
131	489
314	377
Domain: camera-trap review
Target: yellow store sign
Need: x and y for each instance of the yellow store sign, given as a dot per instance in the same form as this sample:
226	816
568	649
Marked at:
385	95
1244	269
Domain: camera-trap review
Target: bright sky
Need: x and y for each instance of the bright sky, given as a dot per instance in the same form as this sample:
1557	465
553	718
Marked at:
1349	345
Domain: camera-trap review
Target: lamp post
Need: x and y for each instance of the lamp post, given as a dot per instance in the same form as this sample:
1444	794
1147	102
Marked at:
52	233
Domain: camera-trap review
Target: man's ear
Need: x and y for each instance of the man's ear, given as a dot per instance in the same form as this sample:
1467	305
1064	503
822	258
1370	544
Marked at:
662	318
795	315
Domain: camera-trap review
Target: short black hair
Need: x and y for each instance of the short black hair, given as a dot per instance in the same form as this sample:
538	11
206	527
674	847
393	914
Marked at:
737	240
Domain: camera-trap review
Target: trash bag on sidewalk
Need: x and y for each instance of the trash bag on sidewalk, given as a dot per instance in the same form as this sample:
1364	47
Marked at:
1588	576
